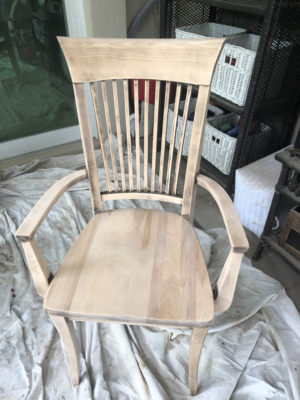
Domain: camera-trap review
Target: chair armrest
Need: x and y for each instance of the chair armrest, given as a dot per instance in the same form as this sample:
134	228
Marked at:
31	223
239	243
237	237
38	266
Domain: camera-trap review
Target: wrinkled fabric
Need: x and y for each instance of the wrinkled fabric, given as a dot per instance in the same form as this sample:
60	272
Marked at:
252	351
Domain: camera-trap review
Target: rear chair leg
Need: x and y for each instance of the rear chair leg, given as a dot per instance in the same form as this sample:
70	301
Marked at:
67	333
197	339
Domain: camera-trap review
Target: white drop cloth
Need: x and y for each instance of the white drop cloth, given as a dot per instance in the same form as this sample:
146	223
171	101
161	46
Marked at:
251	352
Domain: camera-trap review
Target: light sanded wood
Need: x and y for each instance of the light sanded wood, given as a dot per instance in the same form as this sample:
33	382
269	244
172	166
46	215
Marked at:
128	134
181	138
141	196
227	281
239	244
88	145
146	130
163	137
139	323
234	227
119	133
187	61
67	333
109	134
134	265
137	135
193	162
197	340
39	212
172	140
155	129
100	134
38	267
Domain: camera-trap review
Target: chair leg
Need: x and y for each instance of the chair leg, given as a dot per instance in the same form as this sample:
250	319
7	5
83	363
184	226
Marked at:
197	339
67	333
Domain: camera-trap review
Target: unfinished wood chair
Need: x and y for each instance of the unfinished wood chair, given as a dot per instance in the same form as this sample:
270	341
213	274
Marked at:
137	266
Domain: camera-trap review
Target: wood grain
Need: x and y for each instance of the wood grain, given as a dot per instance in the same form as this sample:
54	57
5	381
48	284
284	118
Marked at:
38	267
137	135
141	196
159	277
187	61
119	133
67	333
227	281
88	145
155	130
239	243
163	136
100	134
128	134
181	138
193	162
237	237
39	212
197	340
146	133
172	140
109	134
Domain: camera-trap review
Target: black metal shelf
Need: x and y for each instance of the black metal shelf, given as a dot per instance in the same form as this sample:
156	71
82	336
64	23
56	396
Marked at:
288	157
283	200
257	7
226	104
269	113
273	242
286	192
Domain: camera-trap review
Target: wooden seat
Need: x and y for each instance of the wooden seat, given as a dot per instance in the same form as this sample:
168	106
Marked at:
138	266
134	266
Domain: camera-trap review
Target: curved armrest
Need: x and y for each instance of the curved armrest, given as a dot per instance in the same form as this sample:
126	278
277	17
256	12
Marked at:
39	269
31	223
238	241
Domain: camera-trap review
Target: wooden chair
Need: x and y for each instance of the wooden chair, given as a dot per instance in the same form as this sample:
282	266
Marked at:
137	266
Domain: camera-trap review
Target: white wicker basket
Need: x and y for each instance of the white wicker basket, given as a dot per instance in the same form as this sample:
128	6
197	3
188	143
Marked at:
209	29
234	68
189	124
218	147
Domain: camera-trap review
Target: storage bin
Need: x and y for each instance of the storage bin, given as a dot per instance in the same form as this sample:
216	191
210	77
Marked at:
218	147
254	190
209	29
233	71
189	123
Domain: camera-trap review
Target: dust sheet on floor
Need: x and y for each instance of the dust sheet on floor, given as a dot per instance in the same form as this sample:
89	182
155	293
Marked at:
252	351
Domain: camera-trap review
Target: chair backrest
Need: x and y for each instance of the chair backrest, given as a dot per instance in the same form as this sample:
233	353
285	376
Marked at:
179	69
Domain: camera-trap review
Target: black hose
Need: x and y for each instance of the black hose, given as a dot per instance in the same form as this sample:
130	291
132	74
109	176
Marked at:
136	23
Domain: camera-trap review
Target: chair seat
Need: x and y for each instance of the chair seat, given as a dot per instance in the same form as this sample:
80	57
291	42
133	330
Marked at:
134	266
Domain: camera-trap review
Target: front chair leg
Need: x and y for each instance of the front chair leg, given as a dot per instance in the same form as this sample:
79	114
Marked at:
67	333
197	339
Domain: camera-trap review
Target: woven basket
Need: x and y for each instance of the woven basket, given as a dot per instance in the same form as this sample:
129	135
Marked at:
209	29
218	147
233	71
189	124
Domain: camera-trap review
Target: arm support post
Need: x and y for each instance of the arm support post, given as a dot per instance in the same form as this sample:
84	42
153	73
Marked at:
36	262
238	241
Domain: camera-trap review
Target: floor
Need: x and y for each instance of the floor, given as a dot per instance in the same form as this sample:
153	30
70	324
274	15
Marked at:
207	216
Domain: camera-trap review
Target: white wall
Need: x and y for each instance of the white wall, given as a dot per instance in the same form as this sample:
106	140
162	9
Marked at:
105	18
